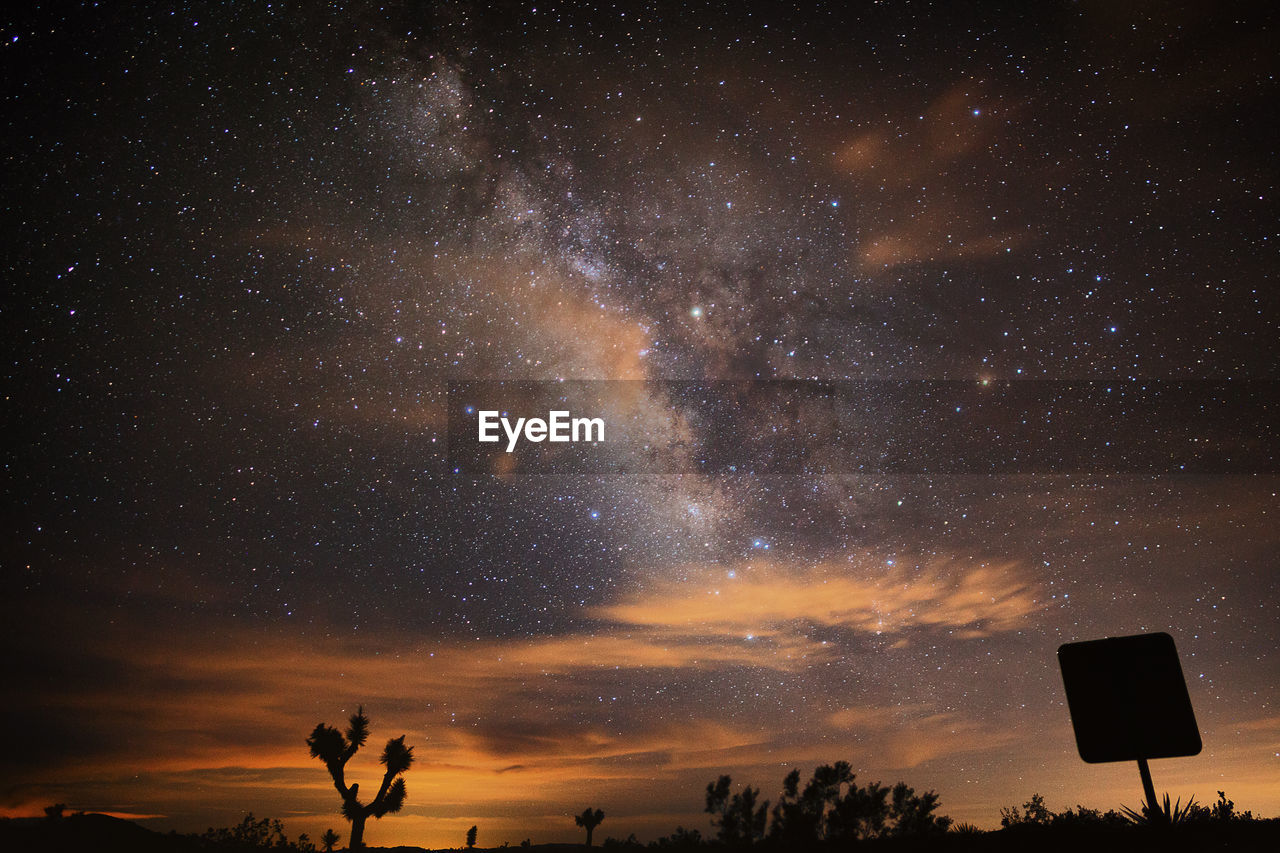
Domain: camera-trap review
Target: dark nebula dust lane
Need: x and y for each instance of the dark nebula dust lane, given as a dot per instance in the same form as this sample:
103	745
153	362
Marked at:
929	339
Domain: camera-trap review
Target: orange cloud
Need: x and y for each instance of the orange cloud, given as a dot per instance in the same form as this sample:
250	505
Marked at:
768	601
919	149
915	174
945	231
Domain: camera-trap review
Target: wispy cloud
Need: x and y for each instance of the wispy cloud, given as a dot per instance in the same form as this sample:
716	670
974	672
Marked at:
775	601
919	169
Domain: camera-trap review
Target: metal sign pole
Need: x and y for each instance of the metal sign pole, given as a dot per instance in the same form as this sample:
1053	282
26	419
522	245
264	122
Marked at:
1150	790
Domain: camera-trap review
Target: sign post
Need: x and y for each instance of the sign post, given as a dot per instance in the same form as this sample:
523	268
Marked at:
1128	701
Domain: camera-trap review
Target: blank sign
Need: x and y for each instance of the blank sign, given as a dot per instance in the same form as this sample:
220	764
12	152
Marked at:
1128	699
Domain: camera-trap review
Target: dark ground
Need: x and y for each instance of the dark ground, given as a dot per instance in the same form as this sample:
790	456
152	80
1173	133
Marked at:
93	832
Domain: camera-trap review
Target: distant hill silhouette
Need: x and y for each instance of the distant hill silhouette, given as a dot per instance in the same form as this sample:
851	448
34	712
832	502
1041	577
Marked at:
84	833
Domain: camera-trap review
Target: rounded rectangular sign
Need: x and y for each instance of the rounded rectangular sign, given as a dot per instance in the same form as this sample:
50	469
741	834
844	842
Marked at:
1128	699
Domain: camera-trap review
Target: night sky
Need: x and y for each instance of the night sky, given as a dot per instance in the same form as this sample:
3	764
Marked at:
249	247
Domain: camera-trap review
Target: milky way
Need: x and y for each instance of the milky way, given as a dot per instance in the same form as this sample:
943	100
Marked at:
250	248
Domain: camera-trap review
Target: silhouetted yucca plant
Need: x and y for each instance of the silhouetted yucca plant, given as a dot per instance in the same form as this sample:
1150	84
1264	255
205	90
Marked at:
335	749
1156	816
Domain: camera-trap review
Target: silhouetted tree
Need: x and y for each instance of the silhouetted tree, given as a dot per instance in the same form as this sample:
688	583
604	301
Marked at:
54	812
335	750
833	807
803	816
589	820
740	818
790	822
912	814
329	840
863	812
471	837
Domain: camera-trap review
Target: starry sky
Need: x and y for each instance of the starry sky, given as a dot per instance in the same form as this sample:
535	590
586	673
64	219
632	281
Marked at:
931	337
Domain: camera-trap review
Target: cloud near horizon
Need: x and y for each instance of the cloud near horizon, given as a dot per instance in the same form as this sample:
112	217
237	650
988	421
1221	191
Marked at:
487	716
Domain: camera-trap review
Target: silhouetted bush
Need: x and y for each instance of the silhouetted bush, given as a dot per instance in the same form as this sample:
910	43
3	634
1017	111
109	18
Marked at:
680	839
254	834
1224	810
1082	816
1035	813
628	843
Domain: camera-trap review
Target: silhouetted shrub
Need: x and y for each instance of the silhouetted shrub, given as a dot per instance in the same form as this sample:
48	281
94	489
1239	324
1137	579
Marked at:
1034	813
681	838
628	843
1224	810
254	834
1085	817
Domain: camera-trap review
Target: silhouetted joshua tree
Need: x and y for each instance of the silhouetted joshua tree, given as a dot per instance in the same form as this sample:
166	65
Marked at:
335	750
589	820
329	840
